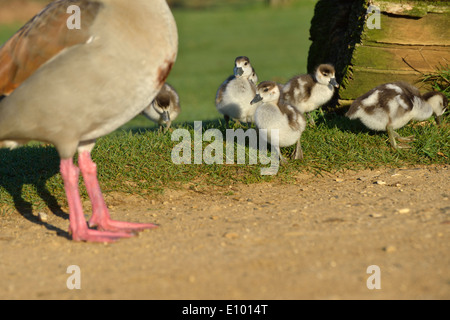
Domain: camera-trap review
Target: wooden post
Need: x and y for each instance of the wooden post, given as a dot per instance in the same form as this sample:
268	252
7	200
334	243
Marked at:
401	43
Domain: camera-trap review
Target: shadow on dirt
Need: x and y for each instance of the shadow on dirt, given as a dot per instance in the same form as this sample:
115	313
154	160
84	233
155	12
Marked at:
31	166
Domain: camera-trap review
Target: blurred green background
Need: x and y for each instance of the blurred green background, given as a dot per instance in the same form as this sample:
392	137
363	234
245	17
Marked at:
273	34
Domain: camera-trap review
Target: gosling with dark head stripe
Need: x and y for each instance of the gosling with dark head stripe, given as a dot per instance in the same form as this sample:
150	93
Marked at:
234	95
391	106
274	113
311	91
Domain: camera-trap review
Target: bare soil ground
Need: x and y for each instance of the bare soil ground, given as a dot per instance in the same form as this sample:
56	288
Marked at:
312	239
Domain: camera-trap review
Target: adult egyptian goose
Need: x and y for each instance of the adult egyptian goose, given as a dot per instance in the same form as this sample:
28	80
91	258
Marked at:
274	113
234	95
391	106
69	86
165	108
310	91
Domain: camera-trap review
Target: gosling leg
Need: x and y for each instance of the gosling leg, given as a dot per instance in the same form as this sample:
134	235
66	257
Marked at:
392	135
298	153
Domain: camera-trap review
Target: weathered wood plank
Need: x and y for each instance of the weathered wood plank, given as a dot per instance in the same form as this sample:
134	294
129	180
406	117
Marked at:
365	79
412	8
401	57
431	30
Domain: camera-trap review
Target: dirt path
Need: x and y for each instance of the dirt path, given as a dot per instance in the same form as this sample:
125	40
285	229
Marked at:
312	239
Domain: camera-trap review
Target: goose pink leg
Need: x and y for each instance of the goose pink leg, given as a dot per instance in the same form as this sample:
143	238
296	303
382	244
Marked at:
78	226
100	215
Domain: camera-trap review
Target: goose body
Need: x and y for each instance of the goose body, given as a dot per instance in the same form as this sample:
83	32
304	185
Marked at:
274	113
69	87
234	95
311	91
165	108
391	106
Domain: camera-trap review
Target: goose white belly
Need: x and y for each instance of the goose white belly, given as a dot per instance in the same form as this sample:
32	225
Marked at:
377	121
268	116
397	116
236	100
320	95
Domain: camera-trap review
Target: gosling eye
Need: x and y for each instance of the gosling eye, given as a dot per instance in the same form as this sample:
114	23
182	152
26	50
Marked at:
325	74
266	90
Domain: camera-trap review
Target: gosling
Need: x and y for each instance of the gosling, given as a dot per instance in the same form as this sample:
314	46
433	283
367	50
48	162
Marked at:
391	106
274	113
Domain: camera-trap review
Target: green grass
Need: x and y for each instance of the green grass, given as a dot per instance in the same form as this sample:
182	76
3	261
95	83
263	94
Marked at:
136	159
438	80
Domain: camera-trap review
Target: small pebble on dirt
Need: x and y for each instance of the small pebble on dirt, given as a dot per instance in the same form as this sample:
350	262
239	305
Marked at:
231	235
390	249
43	217
404	211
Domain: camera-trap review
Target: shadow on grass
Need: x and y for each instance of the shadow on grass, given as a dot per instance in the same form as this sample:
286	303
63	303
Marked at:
207	124
31	166
344	124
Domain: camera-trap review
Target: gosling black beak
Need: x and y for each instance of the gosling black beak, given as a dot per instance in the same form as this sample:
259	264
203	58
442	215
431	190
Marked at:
238	72
166	116
256	99
334	83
